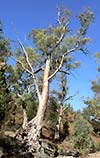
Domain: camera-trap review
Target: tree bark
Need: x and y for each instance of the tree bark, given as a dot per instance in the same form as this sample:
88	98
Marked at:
25	119
45	93
59	124
33	134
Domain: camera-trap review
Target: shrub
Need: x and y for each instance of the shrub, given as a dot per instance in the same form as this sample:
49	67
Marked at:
81	140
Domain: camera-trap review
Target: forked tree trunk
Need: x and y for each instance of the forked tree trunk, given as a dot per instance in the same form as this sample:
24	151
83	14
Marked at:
33	134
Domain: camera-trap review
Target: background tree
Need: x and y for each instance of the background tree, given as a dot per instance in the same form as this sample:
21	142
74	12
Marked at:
5	97
4	46
58	106
4	94
92	111
81	139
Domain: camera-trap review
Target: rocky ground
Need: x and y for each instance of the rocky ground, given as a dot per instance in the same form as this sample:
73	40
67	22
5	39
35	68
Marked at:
9	148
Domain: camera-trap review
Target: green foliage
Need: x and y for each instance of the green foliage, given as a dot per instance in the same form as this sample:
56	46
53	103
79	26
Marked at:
96	83
32	55
46	39
97	58
57	42
51	112
85	20
31	105
4	46
96	86
92	111
81	139
4	94
54	41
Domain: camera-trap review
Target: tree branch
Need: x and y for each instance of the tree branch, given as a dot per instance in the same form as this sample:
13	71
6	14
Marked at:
33	76
30	72
61	38
62	35
61	62
60	65
18	61
71	50
63	28
67	73
41	68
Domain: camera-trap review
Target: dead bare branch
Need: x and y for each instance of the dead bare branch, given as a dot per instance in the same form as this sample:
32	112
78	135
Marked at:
67	73
38	70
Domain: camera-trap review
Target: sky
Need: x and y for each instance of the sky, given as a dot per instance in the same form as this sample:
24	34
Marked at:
28	14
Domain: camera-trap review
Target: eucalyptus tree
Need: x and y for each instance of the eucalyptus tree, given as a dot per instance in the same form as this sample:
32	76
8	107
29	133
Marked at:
63	106
92	111
53	46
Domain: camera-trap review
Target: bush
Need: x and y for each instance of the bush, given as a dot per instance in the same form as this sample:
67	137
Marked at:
81	140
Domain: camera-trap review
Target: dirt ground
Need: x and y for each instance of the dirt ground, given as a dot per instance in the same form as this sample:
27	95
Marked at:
94	155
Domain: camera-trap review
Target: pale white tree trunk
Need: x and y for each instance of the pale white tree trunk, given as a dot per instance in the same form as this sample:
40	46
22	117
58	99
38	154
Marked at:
60	119
45	93
25	119
59	126
34	132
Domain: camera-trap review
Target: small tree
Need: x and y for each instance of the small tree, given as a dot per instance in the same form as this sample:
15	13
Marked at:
62	108
81	140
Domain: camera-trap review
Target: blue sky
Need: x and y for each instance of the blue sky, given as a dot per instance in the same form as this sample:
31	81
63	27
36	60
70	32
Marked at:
28	14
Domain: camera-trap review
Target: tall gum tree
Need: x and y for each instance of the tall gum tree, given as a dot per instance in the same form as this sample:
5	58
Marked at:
53	46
